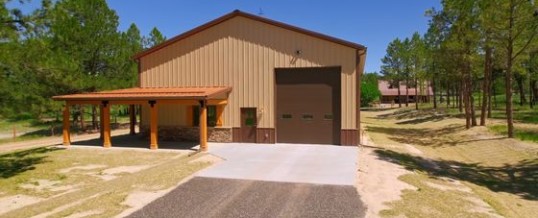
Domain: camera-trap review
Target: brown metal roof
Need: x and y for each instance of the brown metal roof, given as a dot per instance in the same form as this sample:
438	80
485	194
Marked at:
149	94
253	17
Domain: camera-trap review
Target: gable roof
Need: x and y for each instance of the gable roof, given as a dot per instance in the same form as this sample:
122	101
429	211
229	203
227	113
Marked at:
249	16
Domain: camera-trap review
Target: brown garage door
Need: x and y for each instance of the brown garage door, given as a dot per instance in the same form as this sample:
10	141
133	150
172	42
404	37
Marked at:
308	105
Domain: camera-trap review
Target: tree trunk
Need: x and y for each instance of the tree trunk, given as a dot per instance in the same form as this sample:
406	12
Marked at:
82	124
434	95
416	93
466	95
534	92
509	110
94	117
448	95
531	98
461	94
407	92
485	86
521	89
399	95
473	113
508	77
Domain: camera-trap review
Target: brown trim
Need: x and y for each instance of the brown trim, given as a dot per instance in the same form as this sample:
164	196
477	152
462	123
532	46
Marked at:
349	137
265	135
253	17
361	58
224	90
236	134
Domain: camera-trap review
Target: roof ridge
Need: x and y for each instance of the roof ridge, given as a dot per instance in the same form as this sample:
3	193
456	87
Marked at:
237	12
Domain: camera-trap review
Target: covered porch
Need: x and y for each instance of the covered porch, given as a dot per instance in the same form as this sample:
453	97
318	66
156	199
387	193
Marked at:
153	97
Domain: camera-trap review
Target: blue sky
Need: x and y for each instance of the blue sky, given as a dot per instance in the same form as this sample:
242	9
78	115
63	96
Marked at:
371	23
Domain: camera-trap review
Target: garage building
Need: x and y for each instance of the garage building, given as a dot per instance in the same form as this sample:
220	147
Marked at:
250	79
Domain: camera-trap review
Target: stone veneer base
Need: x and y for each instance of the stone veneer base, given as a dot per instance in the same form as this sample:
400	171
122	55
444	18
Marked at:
189	134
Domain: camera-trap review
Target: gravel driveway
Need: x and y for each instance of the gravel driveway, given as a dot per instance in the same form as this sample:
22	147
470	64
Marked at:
278	180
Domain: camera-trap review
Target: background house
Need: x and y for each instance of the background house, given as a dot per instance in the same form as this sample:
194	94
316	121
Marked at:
389	92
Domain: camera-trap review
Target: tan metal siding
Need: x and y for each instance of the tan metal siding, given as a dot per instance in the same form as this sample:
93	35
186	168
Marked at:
168	115
243	53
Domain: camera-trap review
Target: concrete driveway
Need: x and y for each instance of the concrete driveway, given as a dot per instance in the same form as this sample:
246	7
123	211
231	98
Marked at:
277	180
296	163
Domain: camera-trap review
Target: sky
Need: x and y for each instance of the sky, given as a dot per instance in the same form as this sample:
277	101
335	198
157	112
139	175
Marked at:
372	23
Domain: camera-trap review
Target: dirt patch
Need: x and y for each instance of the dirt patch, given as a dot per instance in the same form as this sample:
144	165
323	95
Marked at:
482	207
126	169
85	167
112	173
64	207
411	149
378	181
454	186
41	185
208	158
138	199
16	201
85	214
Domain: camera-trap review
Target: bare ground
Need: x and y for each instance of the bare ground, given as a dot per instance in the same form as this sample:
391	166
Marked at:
56	182
454	172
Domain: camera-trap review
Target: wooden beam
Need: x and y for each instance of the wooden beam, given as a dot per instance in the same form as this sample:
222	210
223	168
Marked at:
132	119
106	125
76	102
101	132
194	102
139	102
217	102
203	125
153	125
66	134
127	102
220	119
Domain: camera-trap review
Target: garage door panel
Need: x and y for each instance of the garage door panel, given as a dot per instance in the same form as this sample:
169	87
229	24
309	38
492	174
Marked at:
308	105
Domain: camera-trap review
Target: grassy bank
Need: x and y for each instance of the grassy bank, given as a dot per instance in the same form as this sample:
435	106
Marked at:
458	172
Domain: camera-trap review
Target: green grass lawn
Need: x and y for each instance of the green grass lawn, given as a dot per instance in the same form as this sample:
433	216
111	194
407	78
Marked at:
522	113
28	128
523	133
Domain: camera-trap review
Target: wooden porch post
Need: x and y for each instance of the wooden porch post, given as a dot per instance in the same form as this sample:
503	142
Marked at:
203	125
132	119
220	109
153	125
101	126
106	125
66	134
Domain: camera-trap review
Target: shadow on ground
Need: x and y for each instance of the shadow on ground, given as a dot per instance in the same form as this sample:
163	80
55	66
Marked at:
424	137
137	141
520	179
12	164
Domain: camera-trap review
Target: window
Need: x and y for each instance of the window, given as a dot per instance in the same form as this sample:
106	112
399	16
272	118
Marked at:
286	116
211	115
308	117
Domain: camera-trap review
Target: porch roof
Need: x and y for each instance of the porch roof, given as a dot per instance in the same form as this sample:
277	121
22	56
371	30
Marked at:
170	93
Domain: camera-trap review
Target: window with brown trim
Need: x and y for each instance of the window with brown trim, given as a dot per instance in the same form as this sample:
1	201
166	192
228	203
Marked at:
211	115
